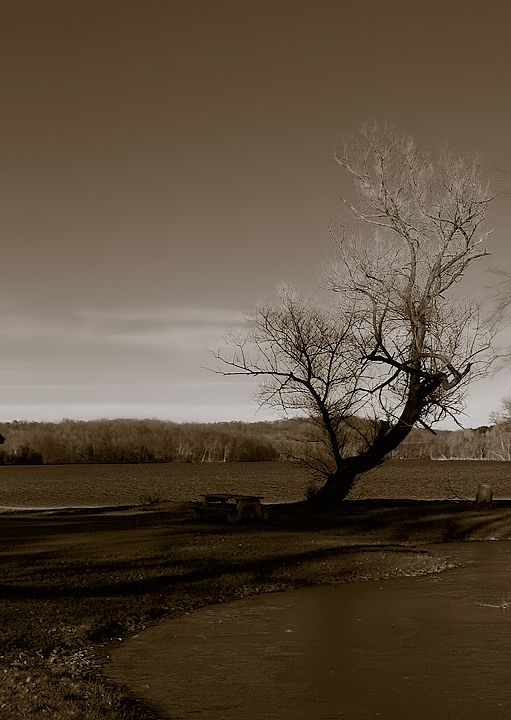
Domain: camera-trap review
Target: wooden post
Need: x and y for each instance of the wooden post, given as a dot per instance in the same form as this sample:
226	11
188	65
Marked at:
484	495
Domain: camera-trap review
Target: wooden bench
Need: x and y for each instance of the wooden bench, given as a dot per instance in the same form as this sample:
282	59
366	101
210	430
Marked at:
230	507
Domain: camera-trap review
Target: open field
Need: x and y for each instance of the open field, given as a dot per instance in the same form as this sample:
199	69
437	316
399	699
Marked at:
72	582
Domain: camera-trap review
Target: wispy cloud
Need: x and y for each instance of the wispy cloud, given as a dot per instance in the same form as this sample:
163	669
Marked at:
137	346
171	328
141	358
158	327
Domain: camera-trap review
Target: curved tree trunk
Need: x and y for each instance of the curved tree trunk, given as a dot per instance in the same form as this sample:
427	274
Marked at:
340	482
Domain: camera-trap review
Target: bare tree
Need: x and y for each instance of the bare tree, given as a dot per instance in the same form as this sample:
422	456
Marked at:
398	343
304	357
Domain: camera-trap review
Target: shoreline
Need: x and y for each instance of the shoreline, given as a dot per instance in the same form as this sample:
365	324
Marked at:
161	505
76	580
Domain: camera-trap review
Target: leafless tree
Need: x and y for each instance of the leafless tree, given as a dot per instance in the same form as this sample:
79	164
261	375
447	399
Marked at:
305	359
398	342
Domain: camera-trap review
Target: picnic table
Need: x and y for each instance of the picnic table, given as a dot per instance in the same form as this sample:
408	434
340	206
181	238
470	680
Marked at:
230	506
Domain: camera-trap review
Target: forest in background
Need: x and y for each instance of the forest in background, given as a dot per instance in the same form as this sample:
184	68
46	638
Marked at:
143	441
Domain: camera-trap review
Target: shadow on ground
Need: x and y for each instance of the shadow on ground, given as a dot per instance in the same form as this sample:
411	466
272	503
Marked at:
125	552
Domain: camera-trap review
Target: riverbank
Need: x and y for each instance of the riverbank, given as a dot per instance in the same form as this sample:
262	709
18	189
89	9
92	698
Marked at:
74	581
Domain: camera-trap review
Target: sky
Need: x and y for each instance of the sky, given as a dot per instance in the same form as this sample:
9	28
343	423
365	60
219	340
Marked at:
166	163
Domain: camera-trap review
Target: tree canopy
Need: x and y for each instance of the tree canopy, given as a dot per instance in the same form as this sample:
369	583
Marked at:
396	342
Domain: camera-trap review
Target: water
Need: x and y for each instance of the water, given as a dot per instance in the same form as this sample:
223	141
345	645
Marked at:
47	486
428	648
50	486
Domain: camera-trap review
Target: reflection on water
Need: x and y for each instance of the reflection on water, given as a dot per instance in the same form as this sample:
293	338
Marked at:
417	649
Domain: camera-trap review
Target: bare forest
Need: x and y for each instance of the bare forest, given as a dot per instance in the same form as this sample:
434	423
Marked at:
150	441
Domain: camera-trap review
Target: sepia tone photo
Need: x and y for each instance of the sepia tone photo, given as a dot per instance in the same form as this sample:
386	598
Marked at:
255	378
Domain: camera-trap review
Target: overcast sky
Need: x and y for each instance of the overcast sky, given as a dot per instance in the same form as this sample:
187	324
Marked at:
165	163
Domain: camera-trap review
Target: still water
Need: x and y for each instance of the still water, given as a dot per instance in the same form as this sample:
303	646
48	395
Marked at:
437	647
50	486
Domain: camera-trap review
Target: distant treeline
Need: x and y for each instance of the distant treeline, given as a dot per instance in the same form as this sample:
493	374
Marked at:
150	441
136	441
483	443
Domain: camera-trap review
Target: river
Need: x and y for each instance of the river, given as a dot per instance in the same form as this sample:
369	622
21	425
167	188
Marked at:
428	648
51	486
47	486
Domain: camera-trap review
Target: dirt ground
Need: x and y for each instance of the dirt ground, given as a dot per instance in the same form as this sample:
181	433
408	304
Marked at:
75	580
294	528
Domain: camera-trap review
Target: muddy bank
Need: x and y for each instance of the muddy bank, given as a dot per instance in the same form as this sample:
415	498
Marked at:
359	650
294	535
75	579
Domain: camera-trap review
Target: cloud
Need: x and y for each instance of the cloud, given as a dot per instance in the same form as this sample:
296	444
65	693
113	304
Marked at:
137	351
173	328
179	329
